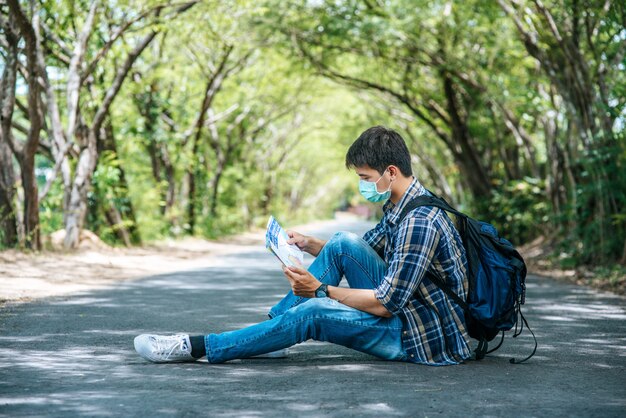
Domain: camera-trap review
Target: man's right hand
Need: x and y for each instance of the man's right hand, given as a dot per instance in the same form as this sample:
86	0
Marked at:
307	244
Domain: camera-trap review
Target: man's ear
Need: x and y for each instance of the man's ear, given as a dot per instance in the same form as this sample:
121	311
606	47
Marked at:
393	171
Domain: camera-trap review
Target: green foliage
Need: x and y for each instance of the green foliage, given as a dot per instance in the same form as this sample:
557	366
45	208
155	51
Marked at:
518	209
615	275
109	193
295	83
51	210
602	190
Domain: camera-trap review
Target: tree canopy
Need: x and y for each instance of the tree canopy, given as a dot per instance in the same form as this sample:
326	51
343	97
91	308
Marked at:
145	119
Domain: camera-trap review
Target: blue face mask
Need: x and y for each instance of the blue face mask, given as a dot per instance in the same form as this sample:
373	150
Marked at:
370	192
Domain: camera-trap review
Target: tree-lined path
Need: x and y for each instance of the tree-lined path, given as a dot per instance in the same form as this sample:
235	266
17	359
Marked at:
73	356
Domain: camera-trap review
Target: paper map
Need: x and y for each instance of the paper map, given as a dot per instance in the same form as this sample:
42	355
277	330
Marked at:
276	241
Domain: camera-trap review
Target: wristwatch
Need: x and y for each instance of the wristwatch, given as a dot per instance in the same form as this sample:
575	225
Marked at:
322	291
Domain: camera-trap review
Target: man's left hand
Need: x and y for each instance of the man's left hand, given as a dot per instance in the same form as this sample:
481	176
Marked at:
302	282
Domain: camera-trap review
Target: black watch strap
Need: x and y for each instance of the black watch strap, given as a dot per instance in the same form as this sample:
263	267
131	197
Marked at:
322	291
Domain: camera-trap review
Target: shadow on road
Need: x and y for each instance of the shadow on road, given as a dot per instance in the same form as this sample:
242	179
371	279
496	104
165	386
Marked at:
74	356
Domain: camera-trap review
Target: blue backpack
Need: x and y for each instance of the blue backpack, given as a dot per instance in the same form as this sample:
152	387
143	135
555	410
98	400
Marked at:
496	278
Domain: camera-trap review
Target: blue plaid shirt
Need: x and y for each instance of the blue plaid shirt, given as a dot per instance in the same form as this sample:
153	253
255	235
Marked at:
434	329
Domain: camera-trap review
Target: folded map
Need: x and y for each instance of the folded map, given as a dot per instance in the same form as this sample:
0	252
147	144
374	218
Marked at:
276	241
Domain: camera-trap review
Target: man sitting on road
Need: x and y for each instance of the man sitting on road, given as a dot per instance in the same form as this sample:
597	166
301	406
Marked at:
391	310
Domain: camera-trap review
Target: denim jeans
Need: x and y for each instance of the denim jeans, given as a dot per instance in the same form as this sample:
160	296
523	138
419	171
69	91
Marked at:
296	319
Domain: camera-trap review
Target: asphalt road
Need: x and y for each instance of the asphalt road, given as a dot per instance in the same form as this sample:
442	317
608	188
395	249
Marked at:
74	356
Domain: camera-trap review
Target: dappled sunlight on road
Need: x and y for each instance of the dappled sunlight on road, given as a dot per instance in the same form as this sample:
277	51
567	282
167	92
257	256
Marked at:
80	359
348	368
74	355
69	362
575	323
574	312
558	318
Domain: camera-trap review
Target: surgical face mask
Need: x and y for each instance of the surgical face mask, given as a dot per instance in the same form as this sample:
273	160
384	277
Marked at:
369	190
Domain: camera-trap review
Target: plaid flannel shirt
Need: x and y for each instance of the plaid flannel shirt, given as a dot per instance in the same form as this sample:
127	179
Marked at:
424	242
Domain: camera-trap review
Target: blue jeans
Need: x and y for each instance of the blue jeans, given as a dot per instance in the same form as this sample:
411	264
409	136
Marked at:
296	319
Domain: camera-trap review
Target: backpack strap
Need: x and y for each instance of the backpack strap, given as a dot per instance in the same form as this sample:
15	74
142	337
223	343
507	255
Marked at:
425	200
440	203
463	226
446	289
516	334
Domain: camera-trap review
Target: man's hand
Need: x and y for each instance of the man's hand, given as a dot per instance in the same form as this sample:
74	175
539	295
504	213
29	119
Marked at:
305	284
302	282
307	244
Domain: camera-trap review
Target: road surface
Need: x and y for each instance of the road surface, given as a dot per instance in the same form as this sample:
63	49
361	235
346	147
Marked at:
74	356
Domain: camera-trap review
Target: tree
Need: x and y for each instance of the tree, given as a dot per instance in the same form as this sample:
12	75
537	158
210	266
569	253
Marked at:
82	132
25	152
219	69
111	190
456	69
7	104
419	56
512	108
578	49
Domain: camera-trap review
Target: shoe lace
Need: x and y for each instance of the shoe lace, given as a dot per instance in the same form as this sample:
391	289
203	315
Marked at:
171	346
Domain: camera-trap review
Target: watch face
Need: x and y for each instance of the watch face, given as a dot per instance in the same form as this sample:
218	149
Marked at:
322	291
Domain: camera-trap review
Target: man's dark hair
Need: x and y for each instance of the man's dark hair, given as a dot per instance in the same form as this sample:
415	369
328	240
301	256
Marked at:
378	148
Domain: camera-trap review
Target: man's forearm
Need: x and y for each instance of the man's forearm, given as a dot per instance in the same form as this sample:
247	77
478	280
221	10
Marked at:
361	299
316	246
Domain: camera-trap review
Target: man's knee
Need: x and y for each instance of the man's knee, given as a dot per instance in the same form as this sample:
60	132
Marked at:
341	240
312	307
304	318
314	310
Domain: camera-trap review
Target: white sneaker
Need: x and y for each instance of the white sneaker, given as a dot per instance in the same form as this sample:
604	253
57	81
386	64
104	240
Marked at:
164	348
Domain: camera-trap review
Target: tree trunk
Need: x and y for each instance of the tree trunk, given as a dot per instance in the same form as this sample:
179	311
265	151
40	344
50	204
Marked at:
76	207
8	221
570	171
465	152
162	168
26	154
522	139
506	163
555	181
219	170
31	202
115	220
8	217
76	204
191	191
170	196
